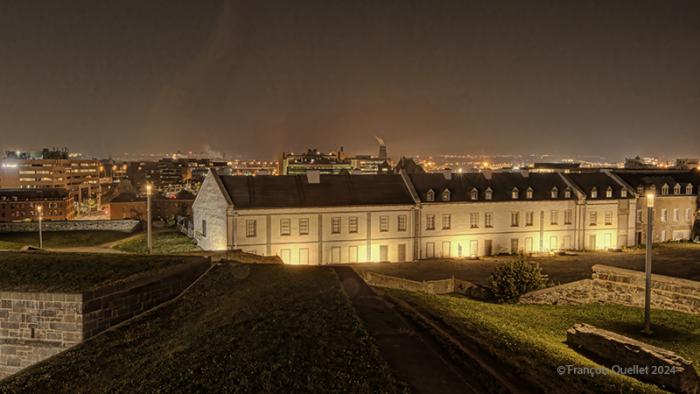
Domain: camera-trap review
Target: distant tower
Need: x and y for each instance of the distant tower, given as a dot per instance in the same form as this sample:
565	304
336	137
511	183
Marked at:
382	148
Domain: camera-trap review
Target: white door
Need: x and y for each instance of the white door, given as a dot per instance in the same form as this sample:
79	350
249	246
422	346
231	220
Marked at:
567	242
607	240
430	250
446	246
473	248
335	255
286	256
352	254
553	243
528	245
304	256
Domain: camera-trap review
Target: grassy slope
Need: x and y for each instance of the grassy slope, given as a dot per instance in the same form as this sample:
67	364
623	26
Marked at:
169	242
63	239
68	272
241	329
530	338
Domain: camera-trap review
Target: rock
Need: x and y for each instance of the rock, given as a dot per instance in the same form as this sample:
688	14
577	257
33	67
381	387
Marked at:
636	359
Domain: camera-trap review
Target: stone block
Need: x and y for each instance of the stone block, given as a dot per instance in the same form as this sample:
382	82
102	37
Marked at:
634	358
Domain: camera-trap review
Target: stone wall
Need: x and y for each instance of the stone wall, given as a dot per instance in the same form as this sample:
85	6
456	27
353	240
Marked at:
127	226
35	326
622	286
443	286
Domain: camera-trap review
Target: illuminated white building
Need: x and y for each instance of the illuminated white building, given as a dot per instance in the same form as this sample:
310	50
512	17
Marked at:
312	218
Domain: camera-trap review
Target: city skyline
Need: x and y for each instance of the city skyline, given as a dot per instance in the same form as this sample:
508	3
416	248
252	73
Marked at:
259	79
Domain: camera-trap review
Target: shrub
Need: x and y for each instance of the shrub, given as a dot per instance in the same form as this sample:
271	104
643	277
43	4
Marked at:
509	281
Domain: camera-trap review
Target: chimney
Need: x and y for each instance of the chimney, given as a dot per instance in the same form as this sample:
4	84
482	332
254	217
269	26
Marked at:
447	173
488	173
525	173
313	176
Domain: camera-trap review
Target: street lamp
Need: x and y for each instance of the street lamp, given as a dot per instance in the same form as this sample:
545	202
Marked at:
40	211
149	189
647	263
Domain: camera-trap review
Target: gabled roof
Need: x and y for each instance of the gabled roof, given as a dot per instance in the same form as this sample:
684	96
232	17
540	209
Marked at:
501	184
289	191
659	178
601	181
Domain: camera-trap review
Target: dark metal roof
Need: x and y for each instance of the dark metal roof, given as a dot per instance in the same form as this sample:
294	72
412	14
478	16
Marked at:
267	191
659	178
501	184
586	181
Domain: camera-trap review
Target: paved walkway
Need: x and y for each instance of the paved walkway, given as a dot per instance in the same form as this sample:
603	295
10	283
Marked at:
414	358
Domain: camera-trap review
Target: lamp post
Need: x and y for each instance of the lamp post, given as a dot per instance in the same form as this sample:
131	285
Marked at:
647	263
149	188
40	211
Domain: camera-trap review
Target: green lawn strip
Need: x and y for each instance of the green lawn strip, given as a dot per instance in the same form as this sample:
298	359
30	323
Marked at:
60	239
529	339
241	329
73	272
169	242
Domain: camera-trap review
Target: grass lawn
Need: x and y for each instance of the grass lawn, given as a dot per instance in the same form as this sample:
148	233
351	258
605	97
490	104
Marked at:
673	259
240	329
60	239
71	272
529	339
167	242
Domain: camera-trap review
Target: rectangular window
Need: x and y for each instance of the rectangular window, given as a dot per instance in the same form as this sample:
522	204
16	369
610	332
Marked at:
474	220
687	214
639	215
352	224
204	228
554	217
384	223
335	225
593	218
567	216
401	223
285	227
664	215
251	228
446	222
488	219
676	215
514	219
608	218
529	218
430	222
303	226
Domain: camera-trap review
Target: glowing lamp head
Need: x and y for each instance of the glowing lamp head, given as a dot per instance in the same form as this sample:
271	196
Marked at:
650	200
149	188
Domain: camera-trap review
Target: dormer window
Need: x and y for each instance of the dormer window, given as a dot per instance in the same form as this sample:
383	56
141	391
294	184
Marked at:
567	193
664	190
594	192
689	188
488	195
528	193
430	195
446	195
677	189
623	193
608	192
515	194
555	192
474	194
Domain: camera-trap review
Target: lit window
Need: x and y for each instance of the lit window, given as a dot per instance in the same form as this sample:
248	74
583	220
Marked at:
555	192
446	195
594	192
676	215
639	215
352	224
251	228
664	215
488	219
474	220
608	218
515	194
554	217
446	221
384	223
623	193
687	214
430	222
568	214
664	190
528	194
488	195
677	189
593	218
402	223
285	227
475	194
567	193
608	192
303	226
640	190
514	219
335	225
430	195
689	189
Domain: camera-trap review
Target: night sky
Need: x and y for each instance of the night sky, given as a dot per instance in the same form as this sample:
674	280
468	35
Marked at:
254	78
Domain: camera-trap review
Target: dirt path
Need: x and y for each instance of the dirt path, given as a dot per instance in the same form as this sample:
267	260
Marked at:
415	358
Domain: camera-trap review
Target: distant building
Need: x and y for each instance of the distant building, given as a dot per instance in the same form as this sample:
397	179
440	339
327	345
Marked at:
334	163
409	166
688	164
18	205
552	167
131	206
640	163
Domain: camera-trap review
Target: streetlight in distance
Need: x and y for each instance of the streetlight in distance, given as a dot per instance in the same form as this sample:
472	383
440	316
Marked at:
647	263
149	189
40	211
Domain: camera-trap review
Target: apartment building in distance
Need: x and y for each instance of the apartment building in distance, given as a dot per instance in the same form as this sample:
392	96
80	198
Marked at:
18	205
324	219
335	162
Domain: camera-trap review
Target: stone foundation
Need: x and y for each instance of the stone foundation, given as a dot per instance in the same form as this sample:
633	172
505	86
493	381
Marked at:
35	326
443	286
625	287
126	226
